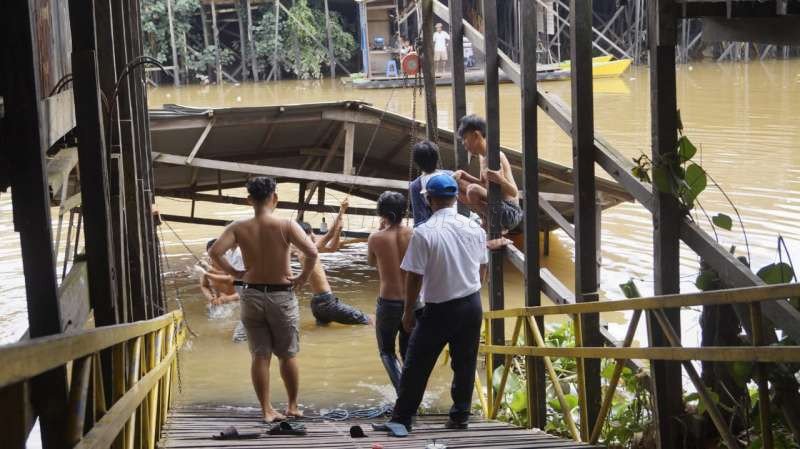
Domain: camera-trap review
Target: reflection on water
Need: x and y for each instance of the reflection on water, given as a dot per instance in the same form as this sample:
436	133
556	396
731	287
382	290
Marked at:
741	116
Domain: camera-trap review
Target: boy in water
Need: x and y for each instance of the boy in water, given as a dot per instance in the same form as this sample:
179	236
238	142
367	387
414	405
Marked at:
217	286
473	191
325	306
385	250
269	308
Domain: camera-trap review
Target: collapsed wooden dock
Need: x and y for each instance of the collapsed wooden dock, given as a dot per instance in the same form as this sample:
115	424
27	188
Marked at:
192	427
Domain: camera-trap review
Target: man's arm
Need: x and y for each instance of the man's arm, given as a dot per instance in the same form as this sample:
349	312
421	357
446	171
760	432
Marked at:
504	177
483	269
462	174
303	243
372	259
205	287
413	286
217	252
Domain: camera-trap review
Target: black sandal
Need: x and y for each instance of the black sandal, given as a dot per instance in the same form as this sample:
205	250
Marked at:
230	433
288	428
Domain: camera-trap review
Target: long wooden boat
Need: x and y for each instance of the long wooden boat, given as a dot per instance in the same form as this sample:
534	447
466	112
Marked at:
197	152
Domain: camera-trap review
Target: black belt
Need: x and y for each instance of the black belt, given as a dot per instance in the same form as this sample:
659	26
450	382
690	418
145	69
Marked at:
266	288
238	283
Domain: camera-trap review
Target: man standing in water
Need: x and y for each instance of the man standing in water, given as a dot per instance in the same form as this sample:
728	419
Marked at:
325	306
474	191
269	308
446	261
385	250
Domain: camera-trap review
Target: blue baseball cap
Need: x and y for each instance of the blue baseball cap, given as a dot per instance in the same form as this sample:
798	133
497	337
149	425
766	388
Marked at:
442	186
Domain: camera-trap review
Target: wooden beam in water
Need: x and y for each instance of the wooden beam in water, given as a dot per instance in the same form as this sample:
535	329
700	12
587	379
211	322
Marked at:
666	377
526	26
587	225
492	98
395	184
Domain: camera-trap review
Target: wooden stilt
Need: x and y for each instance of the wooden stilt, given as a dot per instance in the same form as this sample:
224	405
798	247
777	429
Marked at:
428	70
176	79
665	376
215	33
251	43
530	162
459	92
331	58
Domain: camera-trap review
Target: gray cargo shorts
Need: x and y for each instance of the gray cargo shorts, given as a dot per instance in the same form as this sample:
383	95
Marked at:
272	322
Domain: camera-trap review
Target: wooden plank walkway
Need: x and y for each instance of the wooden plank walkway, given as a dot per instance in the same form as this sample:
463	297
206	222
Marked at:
192	427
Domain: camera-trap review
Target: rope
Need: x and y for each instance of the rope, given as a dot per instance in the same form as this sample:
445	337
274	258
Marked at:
174	285
340	414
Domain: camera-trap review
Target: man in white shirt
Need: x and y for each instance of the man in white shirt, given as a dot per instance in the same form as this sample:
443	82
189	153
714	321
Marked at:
446	262
440	40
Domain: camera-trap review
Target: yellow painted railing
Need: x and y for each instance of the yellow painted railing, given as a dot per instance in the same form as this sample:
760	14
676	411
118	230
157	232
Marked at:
137	362
535	346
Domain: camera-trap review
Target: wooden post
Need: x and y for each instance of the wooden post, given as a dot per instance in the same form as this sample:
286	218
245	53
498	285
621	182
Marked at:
349	147
428	71
586	241
251	42
276	71
175	69
331	59
243	44
22	94
459	92
530	163
301	200
496	294
666	376
215	33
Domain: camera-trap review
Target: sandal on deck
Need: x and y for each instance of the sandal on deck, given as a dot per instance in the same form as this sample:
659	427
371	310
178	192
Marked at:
230	433
357	432
395	429
288	428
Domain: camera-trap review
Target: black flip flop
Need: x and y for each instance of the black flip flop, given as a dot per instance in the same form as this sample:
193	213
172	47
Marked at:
357	432
288	428
230	433
395	429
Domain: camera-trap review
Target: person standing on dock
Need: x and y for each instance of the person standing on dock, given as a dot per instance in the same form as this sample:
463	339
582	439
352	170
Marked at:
385	250
270	312
325	306
474	191
440	40
445	262
426	157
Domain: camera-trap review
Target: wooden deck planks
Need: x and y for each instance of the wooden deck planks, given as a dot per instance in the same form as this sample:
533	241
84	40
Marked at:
192	427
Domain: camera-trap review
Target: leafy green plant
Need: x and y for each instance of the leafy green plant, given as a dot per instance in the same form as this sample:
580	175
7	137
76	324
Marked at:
301	41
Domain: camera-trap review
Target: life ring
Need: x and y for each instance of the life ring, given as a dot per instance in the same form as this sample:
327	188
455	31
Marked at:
410	64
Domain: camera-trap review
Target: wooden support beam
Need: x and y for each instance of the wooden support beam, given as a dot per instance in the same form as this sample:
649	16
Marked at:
428	70
333	150
587	245
349	147
222	223
460	159
666	377
556	216
492	98
176	79
203	137
526	27
331	59
31	209
251	42
215	34
290	173
223	199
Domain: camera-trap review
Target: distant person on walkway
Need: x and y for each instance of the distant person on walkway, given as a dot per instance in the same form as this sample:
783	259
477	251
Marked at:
426	158
269	308
385	250
445	261
440	40
474	191
325	306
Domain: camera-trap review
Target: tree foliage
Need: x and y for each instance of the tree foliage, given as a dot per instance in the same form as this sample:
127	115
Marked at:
302	40
155	25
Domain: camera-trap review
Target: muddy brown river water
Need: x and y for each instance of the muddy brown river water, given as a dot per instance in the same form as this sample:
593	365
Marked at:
743	117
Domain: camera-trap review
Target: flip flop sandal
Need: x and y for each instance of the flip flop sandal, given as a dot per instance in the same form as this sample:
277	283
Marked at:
395	429
230	433
357	432
288	428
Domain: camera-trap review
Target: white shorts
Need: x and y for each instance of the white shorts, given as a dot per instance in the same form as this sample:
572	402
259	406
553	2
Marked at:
440	55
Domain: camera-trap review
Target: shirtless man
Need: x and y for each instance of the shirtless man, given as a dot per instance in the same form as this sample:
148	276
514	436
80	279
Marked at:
217	286
473	191
325	306
385	250
269	308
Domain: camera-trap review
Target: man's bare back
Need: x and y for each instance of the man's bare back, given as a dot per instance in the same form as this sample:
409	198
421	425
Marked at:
386	249
265	241
318	281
